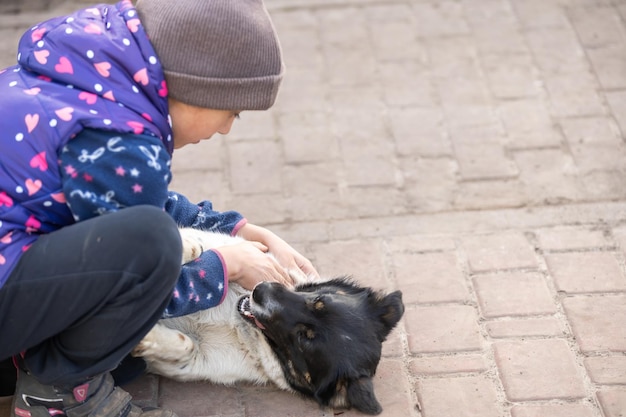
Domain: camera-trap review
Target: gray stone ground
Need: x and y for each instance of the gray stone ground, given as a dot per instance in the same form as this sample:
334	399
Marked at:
469	152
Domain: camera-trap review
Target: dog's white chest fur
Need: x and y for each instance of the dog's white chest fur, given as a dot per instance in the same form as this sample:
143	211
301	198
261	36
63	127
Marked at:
213	344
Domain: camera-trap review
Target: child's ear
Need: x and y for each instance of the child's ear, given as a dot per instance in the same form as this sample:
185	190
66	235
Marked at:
391	309
360	395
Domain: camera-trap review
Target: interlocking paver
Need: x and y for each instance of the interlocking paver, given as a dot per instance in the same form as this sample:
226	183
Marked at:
458	397
430	277
499	251
586	272
613	401
200	399
597	322
457	363
467	152
441	329
538	370
608	370
513	294
525	327
553	410
568	238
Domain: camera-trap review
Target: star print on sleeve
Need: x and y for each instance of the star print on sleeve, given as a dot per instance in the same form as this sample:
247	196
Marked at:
202	216
112	181
201	285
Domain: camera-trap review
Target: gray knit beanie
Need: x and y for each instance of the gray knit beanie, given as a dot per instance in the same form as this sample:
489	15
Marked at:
218	54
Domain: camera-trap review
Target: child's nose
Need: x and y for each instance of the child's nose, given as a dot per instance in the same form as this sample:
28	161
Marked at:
225	129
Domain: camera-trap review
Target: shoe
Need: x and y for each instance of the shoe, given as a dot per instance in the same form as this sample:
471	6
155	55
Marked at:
96	397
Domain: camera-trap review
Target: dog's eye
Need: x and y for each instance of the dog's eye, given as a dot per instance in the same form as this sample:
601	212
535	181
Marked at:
318	304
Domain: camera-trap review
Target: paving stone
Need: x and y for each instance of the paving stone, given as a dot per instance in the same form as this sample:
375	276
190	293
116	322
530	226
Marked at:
597	321
393	347
442	19
429	182
535	14
488	162
525	328
528	124
420	130
392	389
306	136
570	238
574	94
267	208
436	365
617	102
421	243
458	397
194	158
538	370
199	399
607	370
363	260
198	186
144	390
599	157
613	401
553	410
511	78
620	237
586	272
430	277
496	193
251	174
395	39
499	251
602	32
438	329
539	170
513	294
320	198
270	402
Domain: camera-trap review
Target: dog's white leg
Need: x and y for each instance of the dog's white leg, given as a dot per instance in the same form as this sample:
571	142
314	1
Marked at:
192	247
165	344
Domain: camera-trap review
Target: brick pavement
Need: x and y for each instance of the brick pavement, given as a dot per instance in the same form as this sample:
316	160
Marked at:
469	152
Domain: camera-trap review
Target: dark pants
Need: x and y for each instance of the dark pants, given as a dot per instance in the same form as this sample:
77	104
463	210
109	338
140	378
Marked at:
82	297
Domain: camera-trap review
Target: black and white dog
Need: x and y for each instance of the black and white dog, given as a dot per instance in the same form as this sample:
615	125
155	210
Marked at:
322	339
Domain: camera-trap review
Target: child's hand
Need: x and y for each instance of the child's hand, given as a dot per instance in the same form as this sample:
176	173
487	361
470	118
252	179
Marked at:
247	265
287	256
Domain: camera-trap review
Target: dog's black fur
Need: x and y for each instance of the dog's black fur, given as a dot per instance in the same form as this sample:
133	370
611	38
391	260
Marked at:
327	337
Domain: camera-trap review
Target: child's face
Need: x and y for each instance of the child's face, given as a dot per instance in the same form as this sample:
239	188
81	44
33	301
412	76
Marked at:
191	124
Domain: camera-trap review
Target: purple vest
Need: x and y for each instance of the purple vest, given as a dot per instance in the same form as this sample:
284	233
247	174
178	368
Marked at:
92	69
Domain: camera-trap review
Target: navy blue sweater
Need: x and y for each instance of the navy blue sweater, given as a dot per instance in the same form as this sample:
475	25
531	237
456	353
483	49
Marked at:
104	171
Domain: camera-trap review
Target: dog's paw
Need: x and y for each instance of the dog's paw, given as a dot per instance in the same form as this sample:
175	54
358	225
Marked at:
146	347
192	249
164	344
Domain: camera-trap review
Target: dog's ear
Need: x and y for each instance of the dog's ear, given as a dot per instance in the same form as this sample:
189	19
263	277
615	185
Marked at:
360	395
391	309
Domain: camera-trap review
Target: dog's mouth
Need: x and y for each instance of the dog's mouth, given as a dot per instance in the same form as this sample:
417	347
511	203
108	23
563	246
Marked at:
245	310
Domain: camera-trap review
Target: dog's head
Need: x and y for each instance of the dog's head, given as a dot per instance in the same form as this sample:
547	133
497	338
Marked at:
328	337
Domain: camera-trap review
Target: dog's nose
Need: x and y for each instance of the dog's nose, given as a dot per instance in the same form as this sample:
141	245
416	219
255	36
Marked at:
262	290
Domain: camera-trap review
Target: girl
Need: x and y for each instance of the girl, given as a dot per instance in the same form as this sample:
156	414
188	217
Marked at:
89	249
